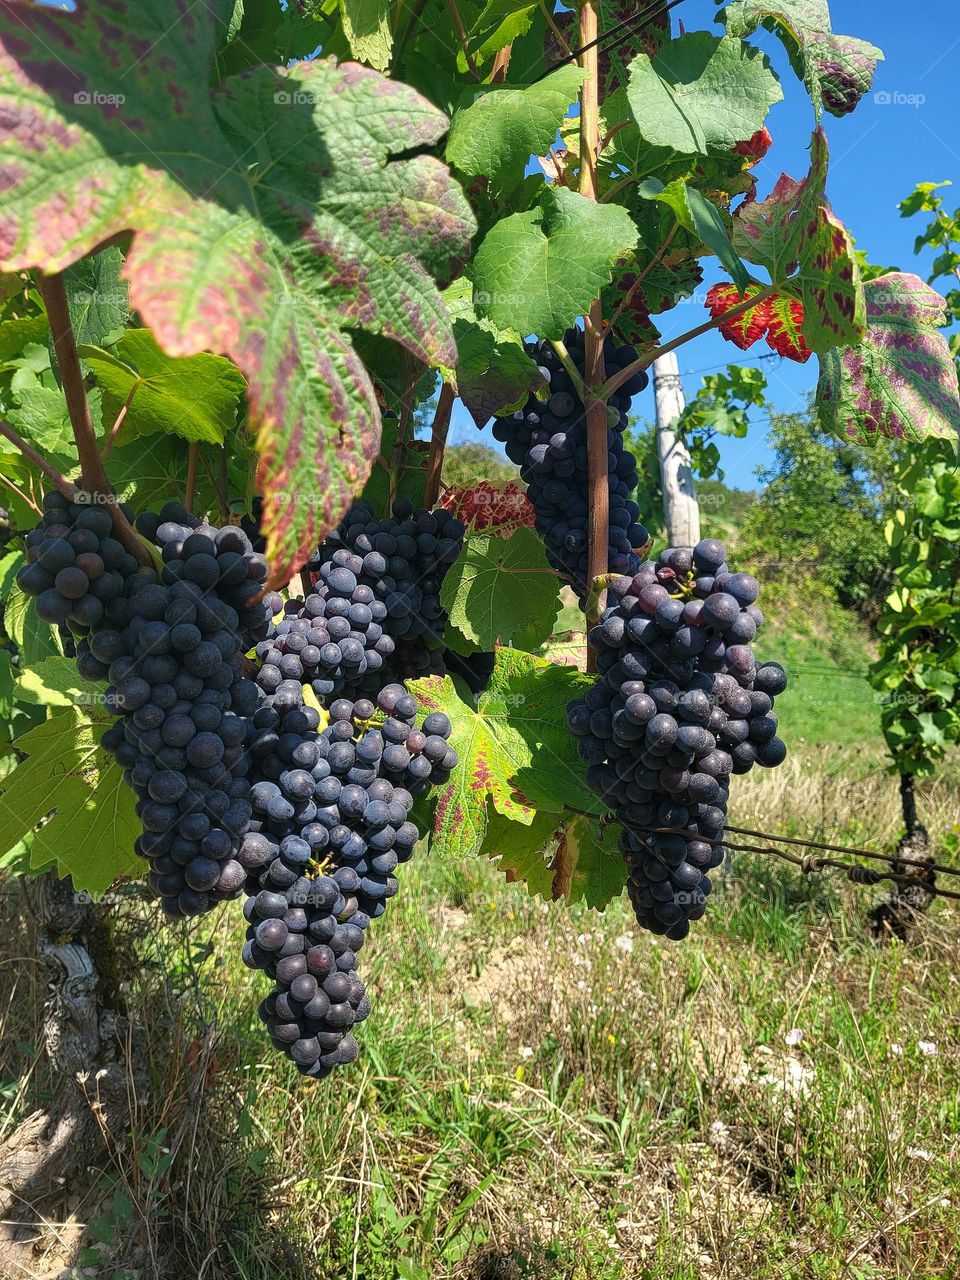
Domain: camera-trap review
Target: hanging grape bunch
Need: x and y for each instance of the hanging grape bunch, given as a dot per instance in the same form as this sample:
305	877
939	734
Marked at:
679	705
548	440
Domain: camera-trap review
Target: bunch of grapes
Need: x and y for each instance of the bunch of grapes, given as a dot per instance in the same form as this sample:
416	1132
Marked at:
375	614
171	650
75	568
331	825
548	440
680	704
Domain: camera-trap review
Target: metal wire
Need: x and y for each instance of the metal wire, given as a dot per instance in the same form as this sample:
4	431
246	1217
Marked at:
635	23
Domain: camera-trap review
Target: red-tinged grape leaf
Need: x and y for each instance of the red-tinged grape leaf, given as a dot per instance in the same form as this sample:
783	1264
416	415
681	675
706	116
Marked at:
901	381
514	748
808	253
66	773
785	330
837	70
500	587
536	271
702	93
746	328
501	509
494	374
270	217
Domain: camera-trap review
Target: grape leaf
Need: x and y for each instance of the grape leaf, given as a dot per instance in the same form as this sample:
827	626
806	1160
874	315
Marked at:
837	70
195	397
535	272
808	252
55	682
702	93
499	24
499	130
366	24
494	374
412	472
40	413
34	638
19	333
68	775
522	852
270	217
499	587
901	381
695	213
97	297
514	748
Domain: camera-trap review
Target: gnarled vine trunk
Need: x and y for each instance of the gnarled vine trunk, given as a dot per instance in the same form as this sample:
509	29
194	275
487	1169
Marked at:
86	1040
899	916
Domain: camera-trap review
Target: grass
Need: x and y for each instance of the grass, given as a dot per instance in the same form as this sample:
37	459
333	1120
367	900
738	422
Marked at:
545	1092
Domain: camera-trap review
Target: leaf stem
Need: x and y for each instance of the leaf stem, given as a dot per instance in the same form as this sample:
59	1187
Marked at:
193	454
60	482
21	495
438	442
614	383
598	519
599	586
462	37
112	434
561	38
93	476
657	257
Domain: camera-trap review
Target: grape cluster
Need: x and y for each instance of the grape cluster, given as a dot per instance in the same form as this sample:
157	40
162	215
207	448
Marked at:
548	440
680	704
376	605
75	568
331	825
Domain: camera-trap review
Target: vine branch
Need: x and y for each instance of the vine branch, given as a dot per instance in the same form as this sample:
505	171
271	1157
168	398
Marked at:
59	481
462	37
93	476
566	360
614	383
598	521
438	442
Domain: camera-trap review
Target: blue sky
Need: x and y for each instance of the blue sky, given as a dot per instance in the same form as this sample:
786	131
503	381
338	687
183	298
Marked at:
877	155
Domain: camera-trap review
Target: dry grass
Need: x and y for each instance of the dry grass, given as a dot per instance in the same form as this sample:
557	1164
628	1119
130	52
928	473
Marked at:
546	1093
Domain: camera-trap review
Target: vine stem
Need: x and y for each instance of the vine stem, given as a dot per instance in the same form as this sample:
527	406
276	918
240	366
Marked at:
21	495
93	476
598	524
566	360
60	482
438	442
613	384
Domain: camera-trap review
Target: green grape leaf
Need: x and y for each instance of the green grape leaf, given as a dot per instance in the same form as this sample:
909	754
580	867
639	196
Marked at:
97	297
535	272
270	217
522	852
499	587
494	374
500	129
808	252
55	682
195	397
34	638
588	864
499	23
514	748
22	332
695	213
837	70
900	382
702	93
366	24
67	774
40	413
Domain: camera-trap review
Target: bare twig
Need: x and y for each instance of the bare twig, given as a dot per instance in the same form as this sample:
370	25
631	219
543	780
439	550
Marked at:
112	434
